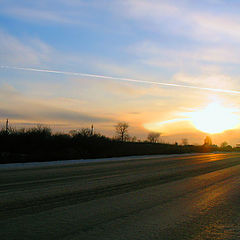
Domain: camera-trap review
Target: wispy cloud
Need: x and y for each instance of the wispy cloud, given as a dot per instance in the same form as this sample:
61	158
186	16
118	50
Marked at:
14	51
152	10
39	15
22	107
202	60
207	80
182	18
175	17
50	11
216	27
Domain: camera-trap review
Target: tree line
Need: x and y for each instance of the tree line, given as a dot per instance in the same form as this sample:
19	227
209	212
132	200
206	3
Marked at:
41	144
122	134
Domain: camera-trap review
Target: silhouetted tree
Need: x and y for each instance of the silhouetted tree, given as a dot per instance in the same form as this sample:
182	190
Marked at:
184	141
85	132
133	139
122	131
40	144
224	144
208	141
39	131
226	147
153	137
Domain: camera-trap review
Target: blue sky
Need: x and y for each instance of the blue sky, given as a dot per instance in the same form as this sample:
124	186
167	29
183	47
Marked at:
193	43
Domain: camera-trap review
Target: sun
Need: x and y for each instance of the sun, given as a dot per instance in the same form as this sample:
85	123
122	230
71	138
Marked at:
215	118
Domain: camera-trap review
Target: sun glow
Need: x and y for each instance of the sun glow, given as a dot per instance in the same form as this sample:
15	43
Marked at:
215	118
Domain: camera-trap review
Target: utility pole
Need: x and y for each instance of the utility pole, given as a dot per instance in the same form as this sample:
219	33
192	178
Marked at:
92	130
7	127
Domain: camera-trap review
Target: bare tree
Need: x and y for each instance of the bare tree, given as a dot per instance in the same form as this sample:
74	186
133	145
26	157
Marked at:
134	139
208	141
122	131
153	137
224	144
86	132
184	141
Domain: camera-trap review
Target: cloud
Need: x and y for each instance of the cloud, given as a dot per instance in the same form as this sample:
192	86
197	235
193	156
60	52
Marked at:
150	9
55	12
16	52
216	27
184	19
180	18
37	14
69	115
207	80
21	107
135	113
6	113
151	53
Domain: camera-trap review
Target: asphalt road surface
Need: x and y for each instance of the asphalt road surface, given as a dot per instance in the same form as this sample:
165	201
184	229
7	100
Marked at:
178	197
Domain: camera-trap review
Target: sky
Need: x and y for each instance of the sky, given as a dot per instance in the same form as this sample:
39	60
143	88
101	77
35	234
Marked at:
122	50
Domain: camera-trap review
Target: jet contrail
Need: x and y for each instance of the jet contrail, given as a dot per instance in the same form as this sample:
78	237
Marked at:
121	79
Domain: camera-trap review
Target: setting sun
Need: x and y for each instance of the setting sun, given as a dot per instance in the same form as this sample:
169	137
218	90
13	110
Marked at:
215	118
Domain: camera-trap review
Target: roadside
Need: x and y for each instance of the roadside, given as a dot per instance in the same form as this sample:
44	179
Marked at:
96	160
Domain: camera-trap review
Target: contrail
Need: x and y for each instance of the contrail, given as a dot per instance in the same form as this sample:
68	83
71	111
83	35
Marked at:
121	79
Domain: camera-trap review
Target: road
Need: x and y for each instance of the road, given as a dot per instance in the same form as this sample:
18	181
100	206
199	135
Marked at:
179	197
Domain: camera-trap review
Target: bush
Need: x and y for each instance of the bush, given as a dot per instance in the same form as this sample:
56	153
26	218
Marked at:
40	144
